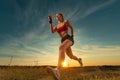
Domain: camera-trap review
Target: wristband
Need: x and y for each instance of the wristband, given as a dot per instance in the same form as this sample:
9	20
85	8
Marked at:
50	19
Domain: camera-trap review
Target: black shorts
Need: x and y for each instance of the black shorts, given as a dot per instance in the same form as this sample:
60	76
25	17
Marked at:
67	37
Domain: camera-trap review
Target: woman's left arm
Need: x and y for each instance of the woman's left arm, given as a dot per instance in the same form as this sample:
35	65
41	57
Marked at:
71	28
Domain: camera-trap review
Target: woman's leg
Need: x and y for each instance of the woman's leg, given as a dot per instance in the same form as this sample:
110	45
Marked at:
63	47
70	54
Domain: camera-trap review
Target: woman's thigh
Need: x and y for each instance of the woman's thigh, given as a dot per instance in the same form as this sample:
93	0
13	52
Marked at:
66	44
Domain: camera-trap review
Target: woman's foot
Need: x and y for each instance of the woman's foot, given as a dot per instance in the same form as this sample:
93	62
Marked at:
80	62
55	72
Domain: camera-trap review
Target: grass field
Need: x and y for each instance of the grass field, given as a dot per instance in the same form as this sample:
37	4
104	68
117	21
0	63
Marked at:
74	73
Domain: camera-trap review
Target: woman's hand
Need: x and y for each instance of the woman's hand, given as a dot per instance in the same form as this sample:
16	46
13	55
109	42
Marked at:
50	19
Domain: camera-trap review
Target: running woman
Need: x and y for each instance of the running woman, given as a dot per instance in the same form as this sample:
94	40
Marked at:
67	40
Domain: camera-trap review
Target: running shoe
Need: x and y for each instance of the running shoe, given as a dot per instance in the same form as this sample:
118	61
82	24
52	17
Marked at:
54	72
80	62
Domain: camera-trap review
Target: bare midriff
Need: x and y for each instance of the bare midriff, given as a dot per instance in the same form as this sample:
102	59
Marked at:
63	34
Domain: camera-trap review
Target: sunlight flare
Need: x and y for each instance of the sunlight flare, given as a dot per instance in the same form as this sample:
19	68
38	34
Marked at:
65	64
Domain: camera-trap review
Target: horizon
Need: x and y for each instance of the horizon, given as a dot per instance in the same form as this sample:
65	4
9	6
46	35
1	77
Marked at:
56	66
25	38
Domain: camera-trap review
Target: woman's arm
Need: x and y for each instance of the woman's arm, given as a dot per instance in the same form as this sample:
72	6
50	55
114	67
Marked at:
71	28
52	29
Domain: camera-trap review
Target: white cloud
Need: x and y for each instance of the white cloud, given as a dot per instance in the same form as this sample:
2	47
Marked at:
93	9
96	50
80	10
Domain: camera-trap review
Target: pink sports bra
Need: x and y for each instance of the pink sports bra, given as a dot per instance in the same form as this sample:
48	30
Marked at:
64	27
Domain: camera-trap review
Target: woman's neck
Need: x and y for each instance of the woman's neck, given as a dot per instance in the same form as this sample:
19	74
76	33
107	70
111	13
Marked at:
59	22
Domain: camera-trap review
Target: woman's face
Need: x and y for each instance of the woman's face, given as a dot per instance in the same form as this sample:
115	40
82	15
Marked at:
59	18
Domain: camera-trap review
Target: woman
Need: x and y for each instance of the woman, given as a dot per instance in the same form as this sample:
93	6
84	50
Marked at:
66	42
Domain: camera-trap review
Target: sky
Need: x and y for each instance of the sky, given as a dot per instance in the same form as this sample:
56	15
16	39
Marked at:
25	37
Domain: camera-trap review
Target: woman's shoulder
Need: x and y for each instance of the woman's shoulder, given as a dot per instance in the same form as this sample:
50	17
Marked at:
66	21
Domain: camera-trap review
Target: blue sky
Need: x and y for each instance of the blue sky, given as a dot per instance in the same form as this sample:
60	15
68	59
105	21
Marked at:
25	34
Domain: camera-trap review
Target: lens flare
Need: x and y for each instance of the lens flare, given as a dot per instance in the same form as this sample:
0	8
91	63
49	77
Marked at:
65	64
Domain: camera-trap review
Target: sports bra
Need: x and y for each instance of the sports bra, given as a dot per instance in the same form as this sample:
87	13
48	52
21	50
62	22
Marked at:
59	29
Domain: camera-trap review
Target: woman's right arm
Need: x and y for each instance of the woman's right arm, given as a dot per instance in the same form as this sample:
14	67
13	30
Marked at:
52	29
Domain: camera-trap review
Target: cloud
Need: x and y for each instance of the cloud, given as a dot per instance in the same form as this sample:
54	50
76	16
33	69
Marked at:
95	50
15	46
31	28
81	10
95	8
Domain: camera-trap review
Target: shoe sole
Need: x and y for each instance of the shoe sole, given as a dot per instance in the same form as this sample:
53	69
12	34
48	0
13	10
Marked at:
50	70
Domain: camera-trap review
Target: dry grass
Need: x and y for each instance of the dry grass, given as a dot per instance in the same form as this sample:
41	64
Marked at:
39	73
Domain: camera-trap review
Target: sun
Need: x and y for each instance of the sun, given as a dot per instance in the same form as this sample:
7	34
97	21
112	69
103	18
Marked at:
65	64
